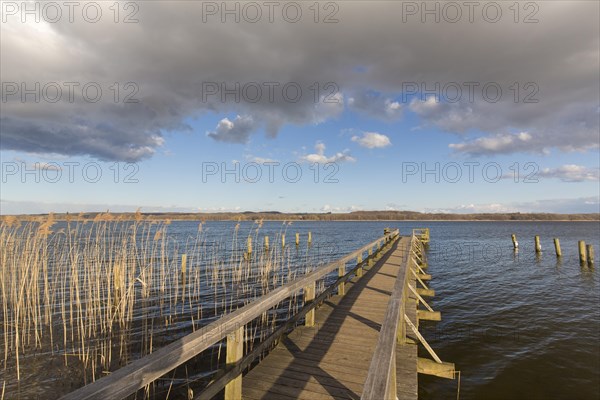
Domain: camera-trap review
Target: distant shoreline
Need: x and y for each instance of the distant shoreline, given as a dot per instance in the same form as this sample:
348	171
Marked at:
356	216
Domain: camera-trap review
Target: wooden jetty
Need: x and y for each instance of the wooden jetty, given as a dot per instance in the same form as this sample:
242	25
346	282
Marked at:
357	338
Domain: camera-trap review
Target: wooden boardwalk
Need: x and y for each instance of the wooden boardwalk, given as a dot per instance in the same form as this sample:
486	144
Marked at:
332	359
360	343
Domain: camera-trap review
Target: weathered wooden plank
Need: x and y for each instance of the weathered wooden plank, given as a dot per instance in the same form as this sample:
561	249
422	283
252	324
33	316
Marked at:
381	381
430	367
250	393
311	383
341	345
429	315
319	355
347	376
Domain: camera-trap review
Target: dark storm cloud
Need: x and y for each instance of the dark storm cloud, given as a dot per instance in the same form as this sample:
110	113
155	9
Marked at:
171	54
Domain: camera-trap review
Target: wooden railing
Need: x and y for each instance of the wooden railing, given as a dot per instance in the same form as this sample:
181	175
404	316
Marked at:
422	234
381	380
136	375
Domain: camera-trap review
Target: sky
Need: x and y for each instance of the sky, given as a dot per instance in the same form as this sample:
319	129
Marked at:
300	106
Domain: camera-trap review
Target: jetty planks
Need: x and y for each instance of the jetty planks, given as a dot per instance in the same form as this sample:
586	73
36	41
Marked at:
331	359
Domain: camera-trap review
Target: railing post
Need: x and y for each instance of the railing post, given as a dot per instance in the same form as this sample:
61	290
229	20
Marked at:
342	285
370	262
359	271
235	352
309	295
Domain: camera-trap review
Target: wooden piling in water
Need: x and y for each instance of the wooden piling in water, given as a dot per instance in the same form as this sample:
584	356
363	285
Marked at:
183	263
514	240
309	237
538	246
557	247
249	245
590	254
297	238
283	240
267	243
582	253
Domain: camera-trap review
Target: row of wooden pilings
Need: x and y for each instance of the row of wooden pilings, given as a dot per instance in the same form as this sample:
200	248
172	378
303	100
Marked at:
586	252
266	241
248	250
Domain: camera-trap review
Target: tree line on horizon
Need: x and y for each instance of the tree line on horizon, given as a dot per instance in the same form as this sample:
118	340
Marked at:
350	216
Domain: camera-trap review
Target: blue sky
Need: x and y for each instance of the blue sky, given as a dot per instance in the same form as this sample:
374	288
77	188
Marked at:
370	146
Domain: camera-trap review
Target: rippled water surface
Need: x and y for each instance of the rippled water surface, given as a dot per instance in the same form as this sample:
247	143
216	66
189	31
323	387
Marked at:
516	325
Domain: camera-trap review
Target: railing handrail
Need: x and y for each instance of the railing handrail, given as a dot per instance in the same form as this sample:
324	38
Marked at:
139	373
381	378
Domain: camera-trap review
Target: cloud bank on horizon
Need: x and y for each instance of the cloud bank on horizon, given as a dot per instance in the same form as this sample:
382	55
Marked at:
364	64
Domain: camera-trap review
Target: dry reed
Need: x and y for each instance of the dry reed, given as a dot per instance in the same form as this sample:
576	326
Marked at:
99	293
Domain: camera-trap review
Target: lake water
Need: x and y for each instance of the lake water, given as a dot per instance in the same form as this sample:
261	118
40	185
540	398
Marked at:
516	325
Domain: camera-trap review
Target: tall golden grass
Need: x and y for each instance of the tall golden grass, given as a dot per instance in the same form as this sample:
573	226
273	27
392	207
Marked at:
100	292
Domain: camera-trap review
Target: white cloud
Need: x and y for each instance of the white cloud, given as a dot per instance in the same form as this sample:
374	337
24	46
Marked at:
559	206
475	209
236	131
338	209
394	207
372	140
219	209
574	127
320	157
328	107
571	173
501	143
261	160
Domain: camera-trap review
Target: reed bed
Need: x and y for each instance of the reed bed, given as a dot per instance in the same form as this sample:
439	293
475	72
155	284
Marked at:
91	295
